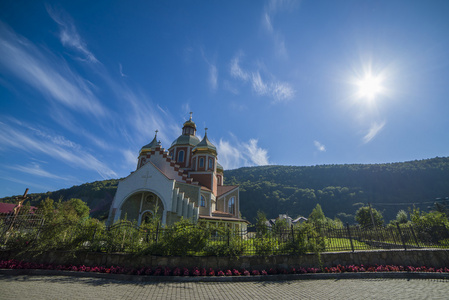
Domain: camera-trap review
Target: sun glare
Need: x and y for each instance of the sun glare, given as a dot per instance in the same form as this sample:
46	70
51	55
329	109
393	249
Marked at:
369	86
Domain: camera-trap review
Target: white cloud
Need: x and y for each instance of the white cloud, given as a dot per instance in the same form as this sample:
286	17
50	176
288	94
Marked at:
31	141
236	71
281	91
48	74
35	169
213	76
273	8
267	22
320	147
121	70
68	33
257	155
130	158
258	85
213	72
235	154
277	90
374	129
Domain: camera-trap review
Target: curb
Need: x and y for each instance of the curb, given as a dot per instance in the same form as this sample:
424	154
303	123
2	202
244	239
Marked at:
252	278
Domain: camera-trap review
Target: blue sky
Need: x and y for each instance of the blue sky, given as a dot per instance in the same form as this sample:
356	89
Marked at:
84	84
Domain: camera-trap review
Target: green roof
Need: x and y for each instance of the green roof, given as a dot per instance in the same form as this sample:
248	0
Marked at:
186	140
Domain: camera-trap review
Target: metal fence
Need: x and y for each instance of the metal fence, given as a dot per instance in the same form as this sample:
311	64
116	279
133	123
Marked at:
31	231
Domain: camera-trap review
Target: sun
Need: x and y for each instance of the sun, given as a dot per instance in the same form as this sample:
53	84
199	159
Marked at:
369	86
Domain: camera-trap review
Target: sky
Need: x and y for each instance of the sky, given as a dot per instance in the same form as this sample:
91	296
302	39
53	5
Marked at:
85	84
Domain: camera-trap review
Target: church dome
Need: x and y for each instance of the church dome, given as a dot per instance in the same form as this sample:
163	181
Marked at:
152	145
190	140
205	145
188	136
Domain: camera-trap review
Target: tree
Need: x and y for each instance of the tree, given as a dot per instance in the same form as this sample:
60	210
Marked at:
402	217
261	223
74	210
317	215
363	217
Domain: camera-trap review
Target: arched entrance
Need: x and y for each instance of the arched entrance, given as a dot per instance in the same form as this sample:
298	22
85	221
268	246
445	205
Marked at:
142	207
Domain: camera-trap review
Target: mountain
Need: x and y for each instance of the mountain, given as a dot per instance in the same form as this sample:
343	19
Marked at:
339	189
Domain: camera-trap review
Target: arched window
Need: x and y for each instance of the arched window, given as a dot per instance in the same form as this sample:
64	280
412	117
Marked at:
203	201
201	162
211	163
194	163
181	156
231	205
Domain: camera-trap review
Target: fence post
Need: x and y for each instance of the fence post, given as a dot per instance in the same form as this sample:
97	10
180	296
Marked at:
157	232
402	238
350	238
414	236
293	234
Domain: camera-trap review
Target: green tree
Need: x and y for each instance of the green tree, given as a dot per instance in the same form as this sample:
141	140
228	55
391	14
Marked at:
363	217
402	217
46	209
261	224
317	215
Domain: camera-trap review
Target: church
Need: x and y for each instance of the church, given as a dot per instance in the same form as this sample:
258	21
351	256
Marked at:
184	182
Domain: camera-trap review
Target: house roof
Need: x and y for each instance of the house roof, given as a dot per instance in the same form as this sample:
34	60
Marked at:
7	208
223	189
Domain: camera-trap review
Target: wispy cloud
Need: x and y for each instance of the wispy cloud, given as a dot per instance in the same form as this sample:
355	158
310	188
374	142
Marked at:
213	72
35	169
277	90
374	129
23	137
46	73
237	154
213	76
271	9
320	147
121	70
68	33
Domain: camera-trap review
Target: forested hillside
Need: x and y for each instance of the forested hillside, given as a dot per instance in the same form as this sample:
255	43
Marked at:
339	189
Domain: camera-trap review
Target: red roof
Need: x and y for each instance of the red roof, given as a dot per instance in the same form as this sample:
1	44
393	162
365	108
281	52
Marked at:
6	208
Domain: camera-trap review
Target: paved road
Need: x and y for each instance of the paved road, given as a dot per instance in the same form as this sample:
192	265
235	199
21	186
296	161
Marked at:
67	287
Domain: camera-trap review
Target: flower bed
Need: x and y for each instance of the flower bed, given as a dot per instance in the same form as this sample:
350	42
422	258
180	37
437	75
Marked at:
179	271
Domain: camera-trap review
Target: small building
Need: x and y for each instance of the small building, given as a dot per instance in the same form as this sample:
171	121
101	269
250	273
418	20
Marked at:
185	181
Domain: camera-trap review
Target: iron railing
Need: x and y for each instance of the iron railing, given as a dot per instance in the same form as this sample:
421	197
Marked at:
31	231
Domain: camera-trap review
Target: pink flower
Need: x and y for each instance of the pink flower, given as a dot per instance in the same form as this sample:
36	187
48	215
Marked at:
177	272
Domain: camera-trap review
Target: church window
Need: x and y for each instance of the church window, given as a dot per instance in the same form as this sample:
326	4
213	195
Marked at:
201	162
211	163
203	201
231	205
171	154
181	156
194	163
